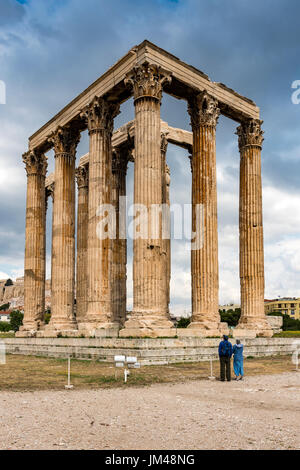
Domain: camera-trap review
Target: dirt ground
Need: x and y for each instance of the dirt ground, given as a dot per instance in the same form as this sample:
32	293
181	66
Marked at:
262	412
29	373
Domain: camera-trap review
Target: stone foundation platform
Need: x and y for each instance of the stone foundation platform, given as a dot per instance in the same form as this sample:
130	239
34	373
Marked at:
148	350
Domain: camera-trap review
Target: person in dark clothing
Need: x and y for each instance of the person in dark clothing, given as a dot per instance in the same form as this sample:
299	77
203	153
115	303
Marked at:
225	353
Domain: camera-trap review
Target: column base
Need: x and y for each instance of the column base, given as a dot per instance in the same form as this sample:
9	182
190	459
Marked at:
29	330
98	329
249	328
52	333
204	329
26	333
61	326
149	326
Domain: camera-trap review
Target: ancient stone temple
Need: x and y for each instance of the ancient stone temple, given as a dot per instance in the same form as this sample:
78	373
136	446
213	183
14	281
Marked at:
95	266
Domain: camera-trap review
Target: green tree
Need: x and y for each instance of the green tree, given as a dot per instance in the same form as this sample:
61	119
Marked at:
9	283
16	320
47	316
231	316
5	326
183	322
4	306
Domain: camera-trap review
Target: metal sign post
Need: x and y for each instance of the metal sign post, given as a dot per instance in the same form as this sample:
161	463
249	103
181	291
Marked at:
211	376
69	386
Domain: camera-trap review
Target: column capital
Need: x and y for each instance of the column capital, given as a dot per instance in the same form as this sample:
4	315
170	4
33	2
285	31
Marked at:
147	80
82	176
100	115
35	163
203	110
250	134
65	140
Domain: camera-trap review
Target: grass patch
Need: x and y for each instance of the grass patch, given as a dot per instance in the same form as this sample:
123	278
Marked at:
287	334
28	373
4	334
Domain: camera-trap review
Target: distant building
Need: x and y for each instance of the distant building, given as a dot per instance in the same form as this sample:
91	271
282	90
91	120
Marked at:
4	316
225	308
289	306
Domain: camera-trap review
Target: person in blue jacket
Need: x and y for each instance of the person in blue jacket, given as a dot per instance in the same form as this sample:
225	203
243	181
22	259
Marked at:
238	360
225	353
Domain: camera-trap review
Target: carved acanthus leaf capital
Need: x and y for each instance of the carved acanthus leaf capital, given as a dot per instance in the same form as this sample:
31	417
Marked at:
65	140
250	134
35	163
203	110
147	80
82	176
100	114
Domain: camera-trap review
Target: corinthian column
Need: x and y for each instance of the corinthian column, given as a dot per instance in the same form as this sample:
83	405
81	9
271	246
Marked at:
34	272
82	176
100	115
166	215
65	141
149	316
204	113
251	231
119	244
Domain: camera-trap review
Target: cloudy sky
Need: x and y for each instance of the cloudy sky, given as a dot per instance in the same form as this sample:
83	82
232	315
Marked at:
50	50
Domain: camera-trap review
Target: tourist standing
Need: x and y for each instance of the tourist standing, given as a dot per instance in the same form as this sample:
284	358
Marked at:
238	360
225	353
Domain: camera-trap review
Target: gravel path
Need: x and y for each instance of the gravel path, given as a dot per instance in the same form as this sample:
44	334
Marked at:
263	412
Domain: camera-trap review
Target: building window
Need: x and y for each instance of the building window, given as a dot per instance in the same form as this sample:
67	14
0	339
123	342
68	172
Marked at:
292	312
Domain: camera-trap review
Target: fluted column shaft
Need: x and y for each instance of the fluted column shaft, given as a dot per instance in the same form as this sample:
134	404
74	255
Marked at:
99	116
149	283
65	141
166	219
119	244
82	237
251	227
204	114
35	236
